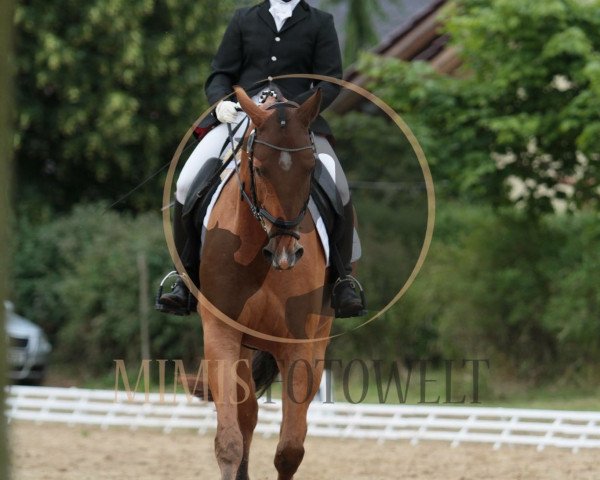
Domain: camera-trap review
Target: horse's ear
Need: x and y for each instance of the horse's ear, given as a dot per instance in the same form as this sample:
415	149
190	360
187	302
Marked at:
256	114
309	110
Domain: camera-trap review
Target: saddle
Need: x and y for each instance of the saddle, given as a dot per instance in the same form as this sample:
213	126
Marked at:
200	194
323	192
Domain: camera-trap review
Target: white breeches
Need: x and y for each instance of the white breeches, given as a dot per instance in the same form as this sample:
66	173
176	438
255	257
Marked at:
212	144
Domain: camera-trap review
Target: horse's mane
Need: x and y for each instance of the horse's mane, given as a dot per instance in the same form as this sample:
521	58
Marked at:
275	88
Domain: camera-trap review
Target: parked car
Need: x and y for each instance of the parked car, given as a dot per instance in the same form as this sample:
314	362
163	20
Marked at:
28	348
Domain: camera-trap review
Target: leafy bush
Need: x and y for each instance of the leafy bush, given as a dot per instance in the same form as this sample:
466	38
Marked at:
497	285
522	293
78	278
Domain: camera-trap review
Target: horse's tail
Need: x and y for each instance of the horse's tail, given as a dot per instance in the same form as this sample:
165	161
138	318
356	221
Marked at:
264	371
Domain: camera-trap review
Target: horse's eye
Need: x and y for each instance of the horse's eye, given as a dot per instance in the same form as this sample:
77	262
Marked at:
258	171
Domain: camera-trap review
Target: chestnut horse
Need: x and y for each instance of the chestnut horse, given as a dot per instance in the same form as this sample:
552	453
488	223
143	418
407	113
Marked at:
263	266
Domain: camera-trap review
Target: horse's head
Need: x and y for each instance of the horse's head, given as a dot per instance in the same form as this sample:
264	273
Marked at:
280	158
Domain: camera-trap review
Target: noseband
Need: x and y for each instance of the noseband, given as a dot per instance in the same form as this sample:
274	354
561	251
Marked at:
282	227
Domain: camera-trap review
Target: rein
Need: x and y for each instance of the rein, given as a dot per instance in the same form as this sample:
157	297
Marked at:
282	227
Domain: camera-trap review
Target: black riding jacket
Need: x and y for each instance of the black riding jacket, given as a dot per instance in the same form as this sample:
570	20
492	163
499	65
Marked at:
253	51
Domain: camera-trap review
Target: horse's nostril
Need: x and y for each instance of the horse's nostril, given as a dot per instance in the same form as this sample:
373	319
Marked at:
299	252
268	254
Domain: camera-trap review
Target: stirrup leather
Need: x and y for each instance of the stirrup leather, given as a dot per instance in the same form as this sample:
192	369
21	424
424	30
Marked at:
181	311
339	286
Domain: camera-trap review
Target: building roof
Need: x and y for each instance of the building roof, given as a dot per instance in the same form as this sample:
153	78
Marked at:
395	13
418	37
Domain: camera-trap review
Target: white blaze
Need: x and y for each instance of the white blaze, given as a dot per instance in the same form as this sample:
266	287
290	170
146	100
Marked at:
285	161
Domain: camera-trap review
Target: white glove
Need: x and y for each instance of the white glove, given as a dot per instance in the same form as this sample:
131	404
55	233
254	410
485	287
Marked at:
226	111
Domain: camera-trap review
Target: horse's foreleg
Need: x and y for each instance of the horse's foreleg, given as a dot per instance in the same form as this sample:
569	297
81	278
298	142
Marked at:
222	355
247	408
301	379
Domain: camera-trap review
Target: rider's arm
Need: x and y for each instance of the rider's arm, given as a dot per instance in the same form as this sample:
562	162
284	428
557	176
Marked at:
227	63
327	60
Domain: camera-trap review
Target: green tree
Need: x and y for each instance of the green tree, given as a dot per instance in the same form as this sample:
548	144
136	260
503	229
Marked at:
106	89
526	105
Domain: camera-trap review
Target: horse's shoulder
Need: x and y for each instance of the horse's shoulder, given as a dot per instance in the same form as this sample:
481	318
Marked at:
224	207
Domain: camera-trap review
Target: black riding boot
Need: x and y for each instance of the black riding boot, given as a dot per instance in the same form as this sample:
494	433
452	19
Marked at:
347	297
180	301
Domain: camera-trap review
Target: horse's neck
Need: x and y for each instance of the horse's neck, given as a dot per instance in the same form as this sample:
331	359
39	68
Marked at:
246	223
243	223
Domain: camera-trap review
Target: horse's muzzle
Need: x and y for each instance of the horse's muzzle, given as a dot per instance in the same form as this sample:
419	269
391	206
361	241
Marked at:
283	254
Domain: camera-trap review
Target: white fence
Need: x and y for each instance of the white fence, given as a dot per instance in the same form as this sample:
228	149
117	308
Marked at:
496	426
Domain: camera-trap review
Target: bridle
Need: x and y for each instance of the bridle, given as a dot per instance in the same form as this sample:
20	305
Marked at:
282	227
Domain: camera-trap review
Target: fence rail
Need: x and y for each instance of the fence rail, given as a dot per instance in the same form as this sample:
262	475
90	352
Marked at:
496	426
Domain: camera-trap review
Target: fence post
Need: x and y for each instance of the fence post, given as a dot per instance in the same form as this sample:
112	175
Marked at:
143	305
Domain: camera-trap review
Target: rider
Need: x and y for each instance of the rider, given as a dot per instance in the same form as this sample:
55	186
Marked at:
275	37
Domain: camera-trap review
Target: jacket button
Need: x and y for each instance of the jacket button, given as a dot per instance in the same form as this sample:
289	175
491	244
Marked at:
277	39
274	58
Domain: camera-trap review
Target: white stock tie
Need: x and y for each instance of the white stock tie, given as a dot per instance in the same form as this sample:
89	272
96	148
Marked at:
281	11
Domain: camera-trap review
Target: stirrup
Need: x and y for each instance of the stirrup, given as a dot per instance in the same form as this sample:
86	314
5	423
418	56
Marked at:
169	309
357	287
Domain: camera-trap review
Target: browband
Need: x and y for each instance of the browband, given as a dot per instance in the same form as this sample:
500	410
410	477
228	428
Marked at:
280	107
